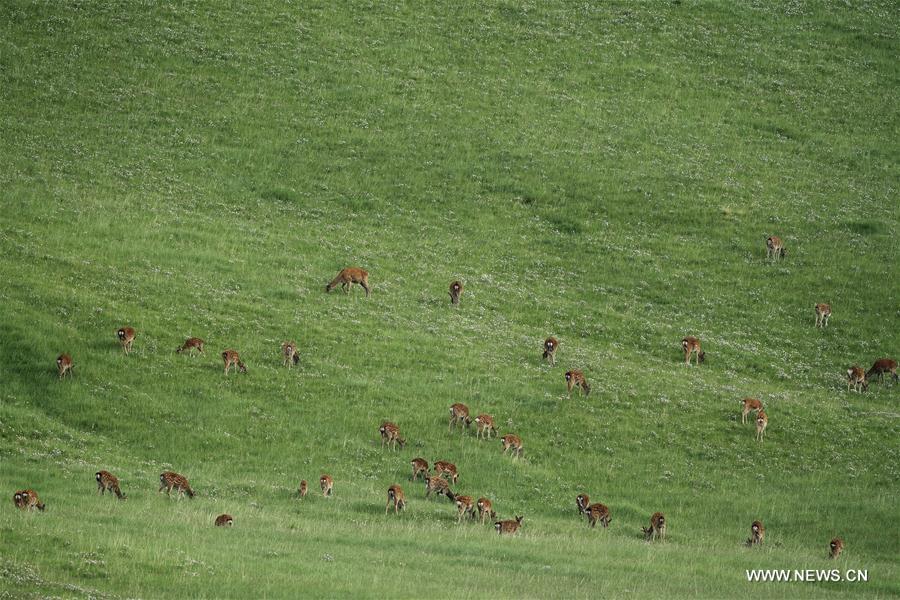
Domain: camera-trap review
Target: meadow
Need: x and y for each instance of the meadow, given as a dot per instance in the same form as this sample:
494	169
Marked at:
606	173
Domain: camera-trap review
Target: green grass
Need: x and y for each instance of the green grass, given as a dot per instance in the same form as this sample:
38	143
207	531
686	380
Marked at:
603	172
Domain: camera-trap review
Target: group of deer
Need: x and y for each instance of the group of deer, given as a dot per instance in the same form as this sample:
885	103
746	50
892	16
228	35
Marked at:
758	534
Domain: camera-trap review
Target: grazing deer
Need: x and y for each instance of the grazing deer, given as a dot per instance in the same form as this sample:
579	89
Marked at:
856	378
390	435
395	497
575	378
465	506
442	466
657	529
28	500
327	484
169	480
598	512
882	366
750	404
108	481
303	489
774	247
762	420
419	465
691	345
224	520
512	441
484	425
126	338
836	547
550	346
191	344
757	534
437	485
347	277
64	365
508	527
231	357
583	501
459	416
290	354
823	311
456	289
485	509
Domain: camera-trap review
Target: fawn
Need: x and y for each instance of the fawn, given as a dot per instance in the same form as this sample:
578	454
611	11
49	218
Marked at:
583	501
598	512
437	485
347	277
224	520
512	441
395	497
459	416
64	365
442	466
390	435
231	357
485	509
576	378
191	344
856	378
691	345
419	465
762	420
757	534
836	547
823	311
126	338
456	289
750	404
169	480
303	489
882	366
484	426
774	247
327	484
28	500
290	354
657	529
465	506
508	527
108	481
550	346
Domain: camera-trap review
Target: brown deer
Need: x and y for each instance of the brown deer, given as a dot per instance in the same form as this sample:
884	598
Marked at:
231	357
303	489
757	534
390	435
750	404
762	420
550	346
583	501
836	547
419	465
691	345
484	426
456	290
774	247
290	354
459	416
575	378
327	485
657	529
823	311
437	485
64	365
169	480
395	497
126	338
465	506
508	527
28	500
512	441
224	520
598	512
856	378
485	509
108	481
191	344
882	366
347	277
442	466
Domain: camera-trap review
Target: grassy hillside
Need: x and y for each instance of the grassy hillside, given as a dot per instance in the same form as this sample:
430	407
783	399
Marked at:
604	173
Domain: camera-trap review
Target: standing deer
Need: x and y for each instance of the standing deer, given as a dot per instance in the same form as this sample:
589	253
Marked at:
456	289
347	277
459	416
691	345
882	366
750	404
823	311
774	247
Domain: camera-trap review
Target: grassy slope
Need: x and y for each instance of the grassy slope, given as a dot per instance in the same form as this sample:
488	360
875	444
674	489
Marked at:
606	174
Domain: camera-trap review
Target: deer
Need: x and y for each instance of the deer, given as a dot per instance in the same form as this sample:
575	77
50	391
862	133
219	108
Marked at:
774	247
691	345
438	485
303	489
347	277
856	378
757	534
459	416
191	344
582	501
598	512
512	441
508	527
442	466
882	366
126	338
419	465
395	497
390	435
484	426
750	404
465	506
456	289
224	520
657	529
28	500
823	311
550	346
327	485
290	354
485	509
169	480
836	547
64	365
231	357
575	378
108	481
762	420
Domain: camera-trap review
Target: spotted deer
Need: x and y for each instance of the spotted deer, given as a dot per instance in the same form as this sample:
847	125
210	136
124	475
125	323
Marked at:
512	441
64	365
465	506
582	501
575	378
395	497
28	500
126	338
823	311
774	247
303	489
437	485
191	344
327	484
550	346
224	520
456	290
108	481
836	547
485	510
390	435
750	404
290	354
484	426
347	277
459	416
598	512
757	534
762	421
169	480
232	358
419	466
442	466
657	529
856	378
508	527
691	345
882	366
